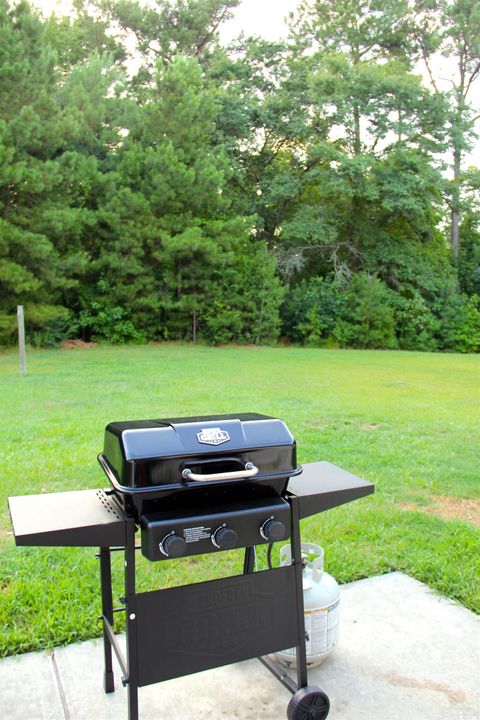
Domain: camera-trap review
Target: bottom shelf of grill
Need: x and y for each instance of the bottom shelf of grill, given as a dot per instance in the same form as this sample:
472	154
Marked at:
184	630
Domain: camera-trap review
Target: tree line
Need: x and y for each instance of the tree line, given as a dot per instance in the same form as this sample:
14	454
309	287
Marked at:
156	184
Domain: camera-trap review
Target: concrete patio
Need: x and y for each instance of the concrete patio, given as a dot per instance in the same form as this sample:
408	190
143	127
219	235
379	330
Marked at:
404	654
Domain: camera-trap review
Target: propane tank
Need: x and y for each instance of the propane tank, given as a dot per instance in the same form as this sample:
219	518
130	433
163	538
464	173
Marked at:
321	599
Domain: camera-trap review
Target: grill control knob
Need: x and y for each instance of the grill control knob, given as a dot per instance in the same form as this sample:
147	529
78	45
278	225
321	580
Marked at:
272	530
173	546
225	538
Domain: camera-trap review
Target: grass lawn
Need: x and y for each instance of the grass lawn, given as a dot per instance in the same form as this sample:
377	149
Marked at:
406	421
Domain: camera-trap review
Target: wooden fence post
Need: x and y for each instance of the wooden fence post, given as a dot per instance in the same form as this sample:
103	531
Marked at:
21	340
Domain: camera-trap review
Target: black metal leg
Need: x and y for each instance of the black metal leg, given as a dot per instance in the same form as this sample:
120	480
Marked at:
131	621
296	546
249	563
279	672
107	612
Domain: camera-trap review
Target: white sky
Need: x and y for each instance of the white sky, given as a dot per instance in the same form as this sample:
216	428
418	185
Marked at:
260	17
253	17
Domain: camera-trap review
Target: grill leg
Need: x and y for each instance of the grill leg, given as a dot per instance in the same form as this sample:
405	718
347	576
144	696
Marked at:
249	563
296	546
107	611
131	621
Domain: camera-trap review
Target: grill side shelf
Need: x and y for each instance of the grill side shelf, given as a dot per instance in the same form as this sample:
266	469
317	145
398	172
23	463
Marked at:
83	518
323	486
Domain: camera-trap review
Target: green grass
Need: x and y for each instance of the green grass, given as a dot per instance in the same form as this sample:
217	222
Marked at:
406	421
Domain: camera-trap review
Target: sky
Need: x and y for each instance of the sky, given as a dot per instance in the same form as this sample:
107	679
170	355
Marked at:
260	17
253	17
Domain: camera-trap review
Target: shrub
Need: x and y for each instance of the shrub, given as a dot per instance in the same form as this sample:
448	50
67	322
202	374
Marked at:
469	328
102	317
45	325
8	328
459	323
415	323
244	307
109	323
469	257
222	324
366	319
310	311
258	295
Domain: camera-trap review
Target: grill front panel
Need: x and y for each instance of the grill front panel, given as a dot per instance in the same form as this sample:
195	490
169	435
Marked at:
187	629
229	526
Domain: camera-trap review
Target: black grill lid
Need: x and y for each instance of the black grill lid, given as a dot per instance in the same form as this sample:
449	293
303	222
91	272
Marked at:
146	453
175	437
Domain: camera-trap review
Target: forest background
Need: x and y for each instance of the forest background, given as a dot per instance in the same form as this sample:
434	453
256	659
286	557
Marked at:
158	184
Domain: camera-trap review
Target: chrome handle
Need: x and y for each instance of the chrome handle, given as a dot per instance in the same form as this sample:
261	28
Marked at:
107	470
250	471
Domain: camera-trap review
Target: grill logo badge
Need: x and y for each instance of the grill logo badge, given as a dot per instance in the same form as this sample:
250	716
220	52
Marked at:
220	622
213	436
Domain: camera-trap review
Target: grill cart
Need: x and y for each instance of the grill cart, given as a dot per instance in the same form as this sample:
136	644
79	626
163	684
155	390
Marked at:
193	486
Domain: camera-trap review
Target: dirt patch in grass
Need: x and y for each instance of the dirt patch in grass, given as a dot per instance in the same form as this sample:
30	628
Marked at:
74	344
451	507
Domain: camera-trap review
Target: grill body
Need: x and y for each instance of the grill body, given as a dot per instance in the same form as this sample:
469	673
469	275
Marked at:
147	461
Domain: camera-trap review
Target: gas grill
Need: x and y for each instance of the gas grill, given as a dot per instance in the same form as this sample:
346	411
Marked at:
193	486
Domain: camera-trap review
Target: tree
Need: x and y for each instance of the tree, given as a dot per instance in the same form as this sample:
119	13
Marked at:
450	29
165	29
367	114
30	266
469	255
53	133
172	248
176	202
357	31
77	37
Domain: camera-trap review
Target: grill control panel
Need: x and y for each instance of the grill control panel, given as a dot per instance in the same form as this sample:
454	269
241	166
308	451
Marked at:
166	536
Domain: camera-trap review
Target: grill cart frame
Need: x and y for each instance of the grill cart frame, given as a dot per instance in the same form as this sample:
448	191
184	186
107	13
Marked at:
177	631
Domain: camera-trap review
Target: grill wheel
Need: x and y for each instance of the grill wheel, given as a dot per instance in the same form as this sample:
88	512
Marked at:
308	703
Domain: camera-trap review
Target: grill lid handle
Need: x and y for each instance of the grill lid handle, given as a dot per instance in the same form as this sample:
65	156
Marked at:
250	471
